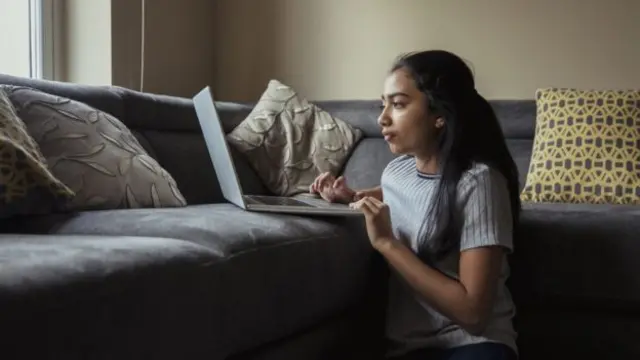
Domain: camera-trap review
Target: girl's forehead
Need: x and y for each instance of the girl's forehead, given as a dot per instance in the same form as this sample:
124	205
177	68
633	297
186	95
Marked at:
397	83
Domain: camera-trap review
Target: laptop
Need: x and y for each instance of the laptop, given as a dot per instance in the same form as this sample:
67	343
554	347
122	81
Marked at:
228	179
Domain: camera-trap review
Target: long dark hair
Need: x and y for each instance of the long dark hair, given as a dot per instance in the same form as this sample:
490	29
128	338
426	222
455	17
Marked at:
472	134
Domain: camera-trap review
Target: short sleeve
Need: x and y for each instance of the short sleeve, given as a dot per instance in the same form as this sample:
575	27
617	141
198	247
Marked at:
486	210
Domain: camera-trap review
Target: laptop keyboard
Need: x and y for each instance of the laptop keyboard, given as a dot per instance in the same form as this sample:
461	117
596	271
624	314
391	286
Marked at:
278	201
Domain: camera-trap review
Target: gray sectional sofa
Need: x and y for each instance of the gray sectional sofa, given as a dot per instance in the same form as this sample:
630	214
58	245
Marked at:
209	281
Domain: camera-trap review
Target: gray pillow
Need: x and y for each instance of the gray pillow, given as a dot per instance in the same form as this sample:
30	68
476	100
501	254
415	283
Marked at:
94	154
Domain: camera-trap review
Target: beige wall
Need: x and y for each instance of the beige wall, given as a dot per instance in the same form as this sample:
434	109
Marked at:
87	39
103	44
179	46
126	30
14	37
340	49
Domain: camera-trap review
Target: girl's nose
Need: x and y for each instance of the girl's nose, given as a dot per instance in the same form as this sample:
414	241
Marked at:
384	119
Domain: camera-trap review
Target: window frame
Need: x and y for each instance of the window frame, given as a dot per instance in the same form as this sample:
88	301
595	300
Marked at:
42	38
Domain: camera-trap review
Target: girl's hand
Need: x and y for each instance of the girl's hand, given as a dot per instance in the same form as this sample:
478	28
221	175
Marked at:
359	195
378	220
332	189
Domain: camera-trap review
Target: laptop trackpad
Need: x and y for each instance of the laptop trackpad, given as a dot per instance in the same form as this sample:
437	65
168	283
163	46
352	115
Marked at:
278	201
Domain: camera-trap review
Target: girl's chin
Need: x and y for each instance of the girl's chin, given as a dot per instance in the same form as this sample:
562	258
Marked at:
396	150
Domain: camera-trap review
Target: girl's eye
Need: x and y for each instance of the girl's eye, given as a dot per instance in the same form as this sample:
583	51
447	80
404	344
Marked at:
396	105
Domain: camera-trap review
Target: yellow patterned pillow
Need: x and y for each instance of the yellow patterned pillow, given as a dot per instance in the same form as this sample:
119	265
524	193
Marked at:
586	147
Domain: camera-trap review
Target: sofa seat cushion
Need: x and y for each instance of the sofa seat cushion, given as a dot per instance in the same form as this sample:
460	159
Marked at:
114	297
578	256
277	273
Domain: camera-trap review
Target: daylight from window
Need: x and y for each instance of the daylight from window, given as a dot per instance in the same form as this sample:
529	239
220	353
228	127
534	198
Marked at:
19	25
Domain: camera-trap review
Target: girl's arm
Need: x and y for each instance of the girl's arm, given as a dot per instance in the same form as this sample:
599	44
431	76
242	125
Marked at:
466	301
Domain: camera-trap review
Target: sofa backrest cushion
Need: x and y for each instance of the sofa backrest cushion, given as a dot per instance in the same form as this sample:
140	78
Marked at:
365	166
167	127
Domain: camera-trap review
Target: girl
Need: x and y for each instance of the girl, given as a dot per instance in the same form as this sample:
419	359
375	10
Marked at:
444	214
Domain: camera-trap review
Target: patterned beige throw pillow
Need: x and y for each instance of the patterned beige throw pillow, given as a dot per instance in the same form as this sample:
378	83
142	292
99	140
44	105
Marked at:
290	141
27	187
94	154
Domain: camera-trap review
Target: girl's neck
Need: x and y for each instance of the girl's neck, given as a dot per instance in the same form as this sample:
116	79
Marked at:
427	164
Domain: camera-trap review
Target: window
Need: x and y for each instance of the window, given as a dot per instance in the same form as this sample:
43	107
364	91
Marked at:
27	38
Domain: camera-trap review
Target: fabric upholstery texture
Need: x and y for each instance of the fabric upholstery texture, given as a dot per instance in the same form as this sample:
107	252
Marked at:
27	187
94	154
296	268
290	141
102	297
586	147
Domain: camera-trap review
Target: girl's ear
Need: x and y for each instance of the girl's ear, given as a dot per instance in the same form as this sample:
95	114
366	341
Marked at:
439	123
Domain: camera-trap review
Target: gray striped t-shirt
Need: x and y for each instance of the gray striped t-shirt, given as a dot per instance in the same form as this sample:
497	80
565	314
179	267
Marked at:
484	199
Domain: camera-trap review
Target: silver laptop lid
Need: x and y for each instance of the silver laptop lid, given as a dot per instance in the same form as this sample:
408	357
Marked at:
219	152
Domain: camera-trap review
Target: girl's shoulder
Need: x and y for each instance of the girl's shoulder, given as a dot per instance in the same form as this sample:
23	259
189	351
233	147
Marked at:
476	170
480	171
480	175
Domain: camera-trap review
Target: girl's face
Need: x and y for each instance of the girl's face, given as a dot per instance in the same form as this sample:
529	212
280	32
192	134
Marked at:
407	125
